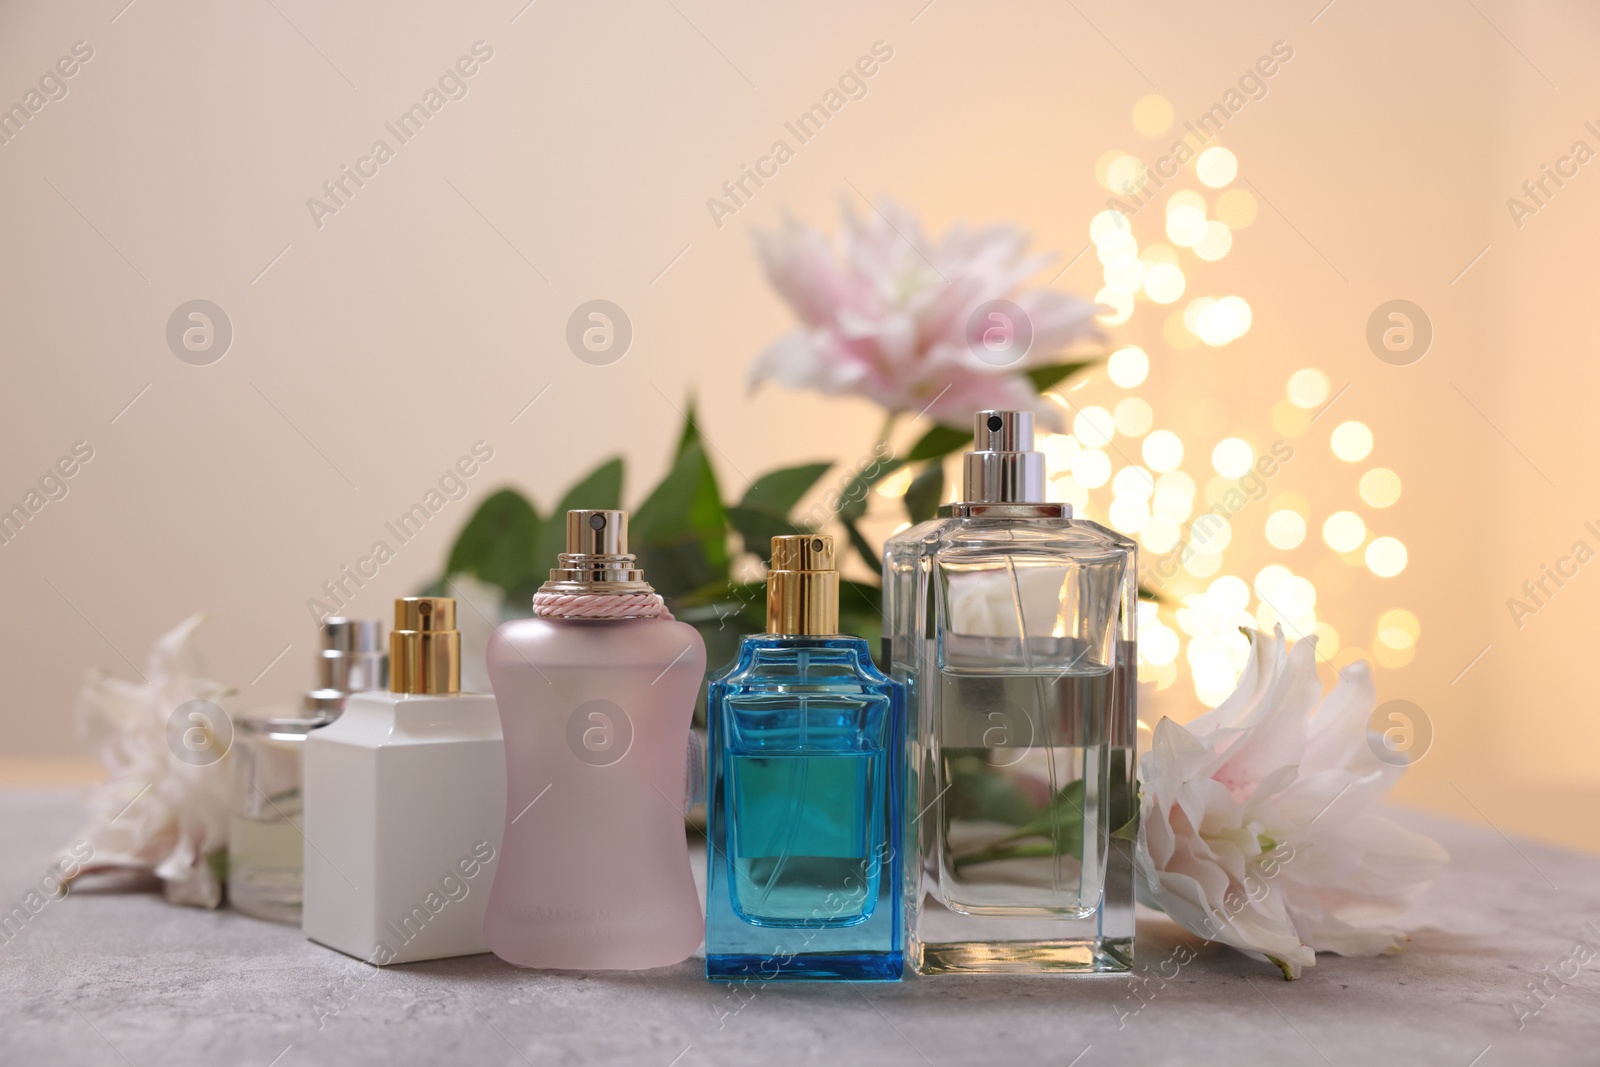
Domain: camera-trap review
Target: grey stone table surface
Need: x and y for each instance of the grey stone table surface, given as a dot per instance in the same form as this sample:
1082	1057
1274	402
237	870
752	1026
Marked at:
125	979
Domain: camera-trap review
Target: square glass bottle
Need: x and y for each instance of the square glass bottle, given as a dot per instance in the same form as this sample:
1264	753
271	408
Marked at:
1011	625
805	782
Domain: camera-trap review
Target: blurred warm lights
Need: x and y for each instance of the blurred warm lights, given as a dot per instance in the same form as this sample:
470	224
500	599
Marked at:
896	484
1186	224
1215	242
1351	441
1344	531
1380	487
1285	530
1163	450
1125	175
1308	388
1163	283
1152	115
1191	520
1386	557
1236	208
1232	457
1091	468
1216	322
1216	167
1094	427
1120	303
1398	628
1133	416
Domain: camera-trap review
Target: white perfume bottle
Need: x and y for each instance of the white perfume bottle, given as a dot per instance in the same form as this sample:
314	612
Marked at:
404	804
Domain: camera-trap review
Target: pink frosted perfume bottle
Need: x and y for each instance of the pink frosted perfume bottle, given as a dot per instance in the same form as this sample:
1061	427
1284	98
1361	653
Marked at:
595	693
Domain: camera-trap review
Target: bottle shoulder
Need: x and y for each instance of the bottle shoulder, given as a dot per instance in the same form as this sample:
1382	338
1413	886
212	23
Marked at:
834	658
1080	538
594	640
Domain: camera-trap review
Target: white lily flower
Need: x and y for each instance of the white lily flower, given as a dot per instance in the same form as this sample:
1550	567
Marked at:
1257	827
157	813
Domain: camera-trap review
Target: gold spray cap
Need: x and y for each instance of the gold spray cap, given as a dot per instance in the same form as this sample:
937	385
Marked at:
802	586
425	646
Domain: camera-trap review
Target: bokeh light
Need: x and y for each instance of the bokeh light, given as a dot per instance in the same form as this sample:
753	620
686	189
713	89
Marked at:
1344	531
1380	487
1128	366
1308	388
1133	416
1236	208
1211	526
1162	450
1152	115
1094	426
1232	457
1216	167
1216	241
1285	530
1351	441
1386	557
1091	468
1164	283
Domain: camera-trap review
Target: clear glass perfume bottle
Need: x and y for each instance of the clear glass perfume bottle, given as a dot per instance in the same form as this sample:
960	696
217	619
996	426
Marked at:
265	845
804	790
1011	625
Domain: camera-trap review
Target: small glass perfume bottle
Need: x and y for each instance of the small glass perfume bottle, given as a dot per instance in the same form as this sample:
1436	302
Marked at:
264	841
404	802
1012	626
804	792
596	694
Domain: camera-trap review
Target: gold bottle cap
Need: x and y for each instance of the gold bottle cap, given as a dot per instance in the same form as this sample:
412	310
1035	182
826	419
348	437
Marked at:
425	646
802	586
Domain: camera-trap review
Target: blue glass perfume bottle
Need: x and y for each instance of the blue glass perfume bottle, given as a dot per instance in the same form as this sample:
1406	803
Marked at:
806	774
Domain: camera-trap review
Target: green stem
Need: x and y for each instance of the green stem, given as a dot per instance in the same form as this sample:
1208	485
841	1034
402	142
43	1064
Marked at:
888	427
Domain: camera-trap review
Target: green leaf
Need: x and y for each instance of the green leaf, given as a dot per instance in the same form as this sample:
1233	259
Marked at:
924	493
1060	826
939	441
758	526
691	430
600	489
499	543
680	532
779	491
980	792
862	546
1044	377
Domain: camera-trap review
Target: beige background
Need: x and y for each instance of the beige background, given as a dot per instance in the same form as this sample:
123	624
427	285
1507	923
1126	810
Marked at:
373	351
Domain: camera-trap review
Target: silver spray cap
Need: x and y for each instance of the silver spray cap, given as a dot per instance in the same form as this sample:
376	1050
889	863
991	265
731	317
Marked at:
1003	468
353	658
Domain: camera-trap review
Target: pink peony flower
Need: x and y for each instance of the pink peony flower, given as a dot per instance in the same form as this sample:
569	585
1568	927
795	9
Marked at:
894	320
1257	826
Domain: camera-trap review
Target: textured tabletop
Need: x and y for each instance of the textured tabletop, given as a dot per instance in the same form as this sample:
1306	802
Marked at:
123	978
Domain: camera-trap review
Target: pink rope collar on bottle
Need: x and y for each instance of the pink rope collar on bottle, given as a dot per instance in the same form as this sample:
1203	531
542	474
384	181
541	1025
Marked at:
600	606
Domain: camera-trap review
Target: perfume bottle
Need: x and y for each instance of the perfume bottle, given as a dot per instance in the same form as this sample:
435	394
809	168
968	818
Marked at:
404	800
1012	626
264	840
804	792
596	694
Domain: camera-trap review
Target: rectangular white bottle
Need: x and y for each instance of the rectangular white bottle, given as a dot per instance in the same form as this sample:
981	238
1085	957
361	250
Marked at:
405	804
